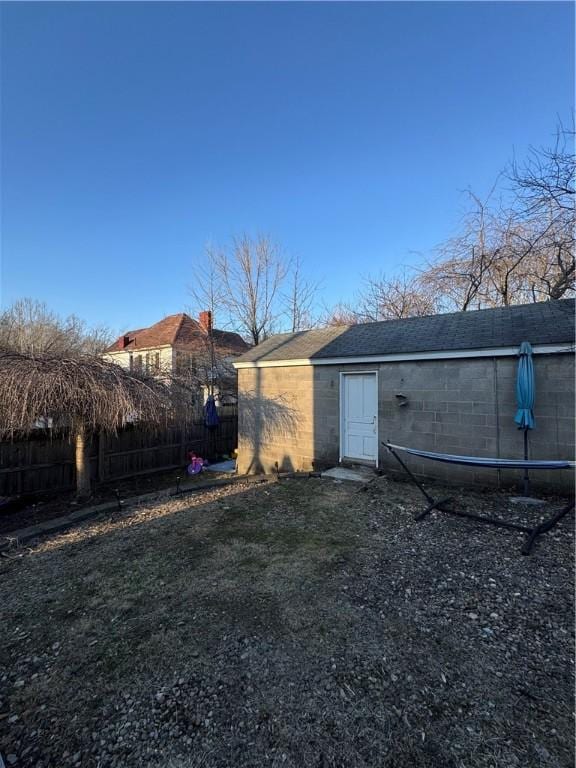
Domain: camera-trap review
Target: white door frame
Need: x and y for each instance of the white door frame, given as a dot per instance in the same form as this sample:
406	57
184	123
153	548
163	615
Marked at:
341	396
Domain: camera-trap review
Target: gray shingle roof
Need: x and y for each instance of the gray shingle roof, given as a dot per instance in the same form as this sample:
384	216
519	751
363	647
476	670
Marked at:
550	322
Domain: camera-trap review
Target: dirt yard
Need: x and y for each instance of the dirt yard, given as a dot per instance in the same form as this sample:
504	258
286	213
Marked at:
301	624
21	512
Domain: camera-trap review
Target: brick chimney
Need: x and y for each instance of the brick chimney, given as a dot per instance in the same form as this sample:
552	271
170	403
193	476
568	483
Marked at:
205	320
124	341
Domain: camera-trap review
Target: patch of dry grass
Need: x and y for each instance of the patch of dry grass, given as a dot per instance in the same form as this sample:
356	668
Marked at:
295	624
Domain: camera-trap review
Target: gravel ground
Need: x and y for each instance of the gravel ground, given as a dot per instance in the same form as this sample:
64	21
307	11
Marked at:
300	623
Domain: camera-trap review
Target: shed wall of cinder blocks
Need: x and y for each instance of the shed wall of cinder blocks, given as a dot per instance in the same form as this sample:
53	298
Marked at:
291	415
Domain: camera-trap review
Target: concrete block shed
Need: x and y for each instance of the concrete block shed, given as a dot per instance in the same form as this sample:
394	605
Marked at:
443	383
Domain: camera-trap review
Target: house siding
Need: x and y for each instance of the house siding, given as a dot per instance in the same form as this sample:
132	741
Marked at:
122	357
463	406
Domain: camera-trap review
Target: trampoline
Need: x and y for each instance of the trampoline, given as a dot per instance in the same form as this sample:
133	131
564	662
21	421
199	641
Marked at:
492	463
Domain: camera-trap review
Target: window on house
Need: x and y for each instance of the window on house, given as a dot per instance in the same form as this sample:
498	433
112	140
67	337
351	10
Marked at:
147	359
44	422
138	363
131	361
156	361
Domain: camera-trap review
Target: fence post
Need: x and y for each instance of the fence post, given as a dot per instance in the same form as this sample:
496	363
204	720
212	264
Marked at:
20	474
183	435
101	457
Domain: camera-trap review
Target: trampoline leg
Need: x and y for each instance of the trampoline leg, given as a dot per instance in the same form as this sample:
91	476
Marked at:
430	507
432	504
415	480
544	527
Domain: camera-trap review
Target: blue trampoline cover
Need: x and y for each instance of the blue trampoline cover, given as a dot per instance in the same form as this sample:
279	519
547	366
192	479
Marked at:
525	388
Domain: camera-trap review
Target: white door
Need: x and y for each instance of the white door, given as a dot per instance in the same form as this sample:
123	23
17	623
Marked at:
360	416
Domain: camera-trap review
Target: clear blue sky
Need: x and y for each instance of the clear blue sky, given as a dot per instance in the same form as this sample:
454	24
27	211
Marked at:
132	133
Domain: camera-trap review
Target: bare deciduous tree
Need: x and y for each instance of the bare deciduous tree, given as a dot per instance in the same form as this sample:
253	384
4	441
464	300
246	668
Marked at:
505	253
385	298
207	370
515	253
339	314
243	282
458	273
393	298
545	187
299	299
29	327
546	178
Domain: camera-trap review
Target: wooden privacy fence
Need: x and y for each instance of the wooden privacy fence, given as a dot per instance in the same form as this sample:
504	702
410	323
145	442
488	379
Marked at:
47	464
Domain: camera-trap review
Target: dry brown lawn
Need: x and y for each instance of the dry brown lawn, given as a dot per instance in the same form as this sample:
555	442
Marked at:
300	623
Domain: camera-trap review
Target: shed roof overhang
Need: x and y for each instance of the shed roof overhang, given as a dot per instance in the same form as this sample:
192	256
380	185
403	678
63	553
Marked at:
453	354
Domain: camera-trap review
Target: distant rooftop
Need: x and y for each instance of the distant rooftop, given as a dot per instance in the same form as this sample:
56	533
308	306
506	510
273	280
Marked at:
549	322
181	332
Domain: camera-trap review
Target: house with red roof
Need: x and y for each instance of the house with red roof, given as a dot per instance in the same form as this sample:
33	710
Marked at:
179	347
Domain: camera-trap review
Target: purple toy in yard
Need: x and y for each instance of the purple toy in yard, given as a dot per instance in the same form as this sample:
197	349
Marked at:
196	465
